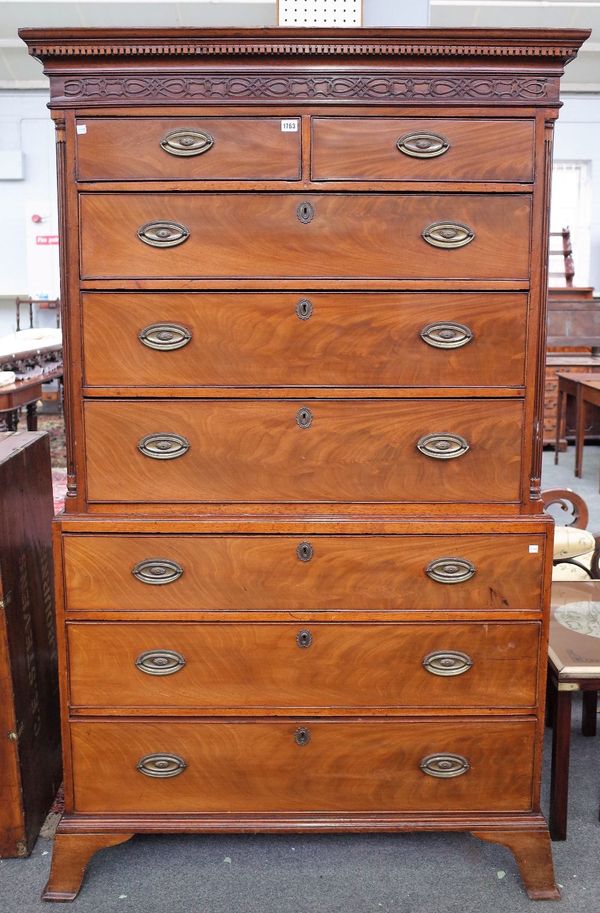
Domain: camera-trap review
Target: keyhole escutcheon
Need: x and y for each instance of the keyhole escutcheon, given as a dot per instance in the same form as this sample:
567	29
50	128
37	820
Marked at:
305	212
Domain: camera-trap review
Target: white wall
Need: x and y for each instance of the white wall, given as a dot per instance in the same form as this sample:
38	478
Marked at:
577	138
27	187
395	13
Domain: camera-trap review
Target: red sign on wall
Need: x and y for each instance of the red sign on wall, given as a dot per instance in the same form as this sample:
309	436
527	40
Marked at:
46	240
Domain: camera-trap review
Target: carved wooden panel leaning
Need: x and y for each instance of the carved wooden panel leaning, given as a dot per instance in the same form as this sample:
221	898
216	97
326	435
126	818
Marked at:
295	312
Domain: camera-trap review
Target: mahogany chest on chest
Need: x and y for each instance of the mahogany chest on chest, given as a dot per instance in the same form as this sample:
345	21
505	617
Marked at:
303	569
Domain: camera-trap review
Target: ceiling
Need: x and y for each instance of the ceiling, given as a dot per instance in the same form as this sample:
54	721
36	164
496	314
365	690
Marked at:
17	70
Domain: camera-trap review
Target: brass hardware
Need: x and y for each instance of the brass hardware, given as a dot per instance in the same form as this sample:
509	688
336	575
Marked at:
304	551
304	309
447	662
187	142
444	765
448	234
161	765
305	213
157	571
163	445
304	638
450	570
442	445
165	336
163	234
302	736
568	686
12	736
160	662
446	335
423	145
304	417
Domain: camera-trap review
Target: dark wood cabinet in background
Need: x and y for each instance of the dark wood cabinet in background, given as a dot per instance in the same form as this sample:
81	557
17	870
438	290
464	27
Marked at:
30	763
304	278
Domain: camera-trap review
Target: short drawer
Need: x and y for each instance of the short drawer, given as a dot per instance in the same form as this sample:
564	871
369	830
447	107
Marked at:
421	149
273	451
186	149
294	765
279	339
252	667
258	235
282	573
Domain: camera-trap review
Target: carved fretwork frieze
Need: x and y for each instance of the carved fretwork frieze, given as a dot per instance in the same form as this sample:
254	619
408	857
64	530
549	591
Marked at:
383	88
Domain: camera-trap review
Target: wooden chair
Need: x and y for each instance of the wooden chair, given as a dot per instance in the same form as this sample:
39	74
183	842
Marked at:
572	551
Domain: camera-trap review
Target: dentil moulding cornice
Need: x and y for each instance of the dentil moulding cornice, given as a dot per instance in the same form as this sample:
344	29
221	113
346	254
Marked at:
559	45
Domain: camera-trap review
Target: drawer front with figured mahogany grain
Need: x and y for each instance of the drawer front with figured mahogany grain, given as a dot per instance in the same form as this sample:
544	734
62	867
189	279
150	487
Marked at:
248	668
187	149
304	450
282	573
294	765
336	235
421	149
282	339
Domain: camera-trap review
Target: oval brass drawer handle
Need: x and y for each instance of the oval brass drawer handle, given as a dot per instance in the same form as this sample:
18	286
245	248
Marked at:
160	662
165	337
450	570
157	571
423	145
161	765
446	335
442	445
187	142
302	736
444	765
163	445
447	662
448	234
163	234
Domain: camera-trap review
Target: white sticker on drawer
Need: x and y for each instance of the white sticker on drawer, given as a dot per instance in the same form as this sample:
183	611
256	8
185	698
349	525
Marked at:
534	549
289	126
81	128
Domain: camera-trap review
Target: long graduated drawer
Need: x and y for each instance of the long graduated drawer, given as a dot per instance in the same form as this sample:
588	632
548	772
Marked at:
337	235
292	765
336	450
247	668
282	573
283	339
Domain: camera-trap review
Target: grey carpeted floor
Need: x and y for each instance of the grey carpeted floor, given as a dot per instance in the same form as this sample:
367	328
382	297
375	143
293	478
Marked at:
410	873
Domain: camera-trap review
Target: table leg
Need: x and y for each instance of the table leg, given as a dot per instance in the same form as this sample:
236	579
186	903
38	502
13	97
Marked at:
32	422
550	701
12	419
588	712
580	410
559	422
559	777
